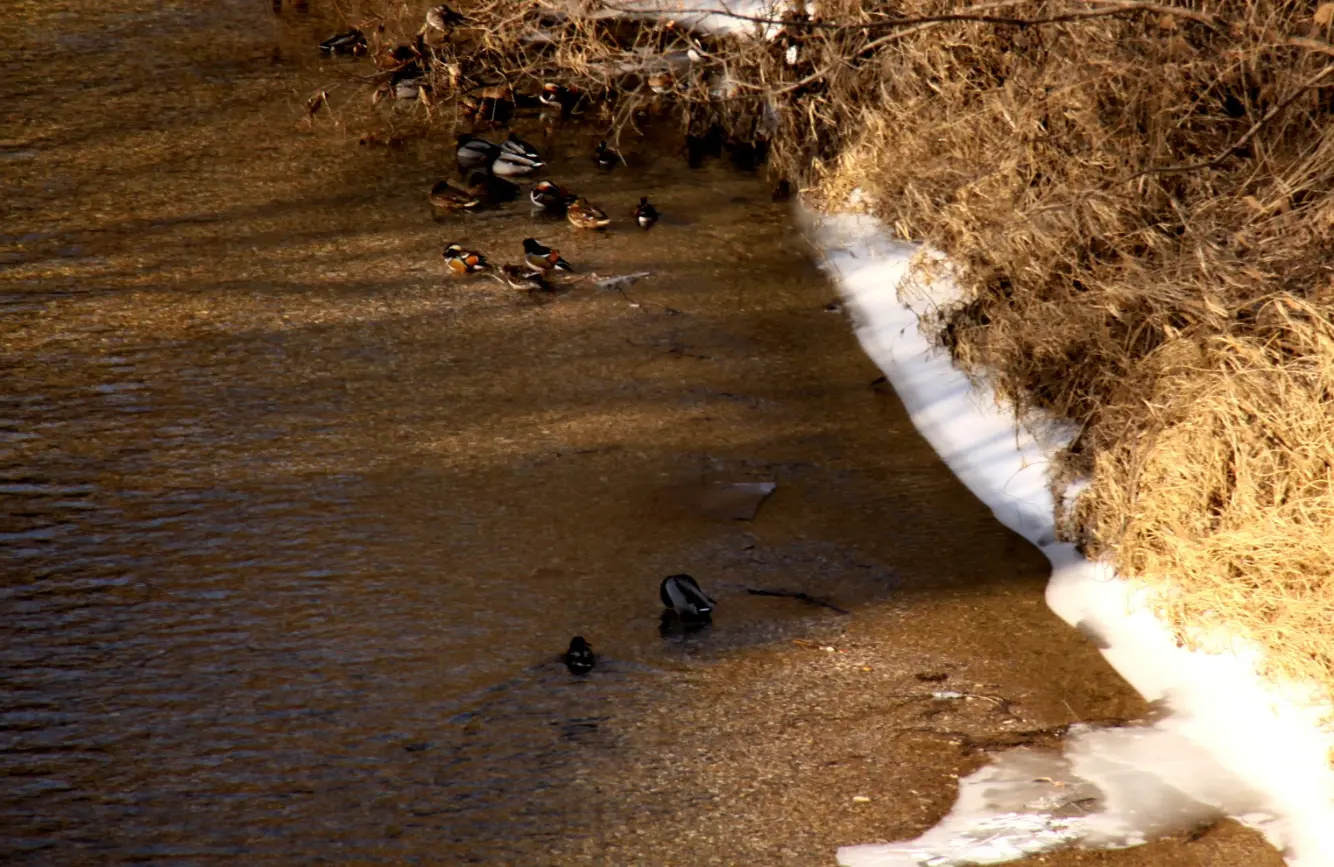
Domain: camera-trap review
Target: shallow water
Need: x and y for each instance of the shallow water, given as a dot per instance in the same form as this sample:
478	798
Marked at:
294	526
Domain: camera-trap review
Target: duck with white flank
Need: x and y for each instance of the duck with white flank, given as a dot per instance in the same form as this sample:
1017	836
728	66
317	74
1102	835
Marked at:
543	258
464	262
605	157
351	42
475	153
519	147
681	595
509	164
579	659
552	199
646	215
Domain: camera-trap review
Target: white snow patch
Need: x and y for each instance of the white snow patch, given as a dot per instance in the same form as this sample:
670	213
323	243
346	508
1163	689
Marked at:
1230	744
707	16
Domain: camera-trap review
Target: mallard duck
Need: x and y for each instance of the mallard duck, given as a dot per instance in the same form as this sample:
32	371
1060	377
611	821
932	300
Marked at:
475	152
584	216
550	197
448	197
544	259
681	594
443	18
605	157
410	87
645	215
351	42
490	189
579	658
510	165
462	261
525	279
519	147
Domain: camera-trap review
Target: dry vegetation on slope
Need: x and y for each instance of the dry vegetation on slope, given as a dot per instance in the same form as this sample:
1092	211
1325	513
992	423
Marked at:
1137	197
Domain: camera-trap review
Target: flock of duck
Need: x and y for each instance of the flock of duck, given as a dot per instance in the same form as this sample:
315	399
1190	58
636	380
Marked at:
487	168
488	171
685	607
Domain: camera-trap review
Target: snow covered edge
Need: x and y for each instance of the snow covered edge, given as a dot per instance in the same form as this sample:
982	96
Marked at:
1265	737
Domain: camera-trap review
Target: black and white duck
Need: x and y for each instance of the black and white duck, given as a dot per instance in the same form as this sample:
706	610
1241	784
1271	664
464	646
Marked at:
519	147
543	258
351	42
681	594
475	153
605	157
646	215
579	659
508	164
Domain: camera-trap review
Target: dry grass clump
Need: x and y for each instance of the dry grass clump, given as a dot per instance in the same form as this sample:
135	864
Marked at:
1223	477
1137	198
1139	201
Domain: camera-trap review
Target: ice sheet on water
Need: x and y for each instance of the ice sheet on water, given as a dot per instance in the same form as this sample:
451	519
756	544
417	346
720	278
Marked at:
1109	788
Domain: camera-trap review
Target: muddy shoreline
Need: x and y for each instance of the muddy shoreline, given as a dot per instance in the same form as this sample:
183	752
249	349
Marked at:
210	310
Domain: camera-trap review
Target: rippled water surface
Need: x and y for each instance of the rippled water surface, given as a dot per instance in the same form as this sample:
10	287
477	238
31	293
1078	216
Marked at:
293	526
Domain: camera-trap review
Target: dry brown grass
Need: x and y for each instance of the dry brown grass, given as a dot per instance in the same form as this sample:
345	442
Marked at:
1138	200
1140	209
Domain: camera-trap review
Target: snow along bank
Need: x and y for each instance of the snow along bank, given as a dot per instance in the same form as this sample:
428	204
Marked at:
1229	743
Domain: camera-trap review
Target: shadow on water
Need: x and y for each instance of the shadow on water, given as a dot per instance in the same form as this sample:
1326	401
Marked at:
295	526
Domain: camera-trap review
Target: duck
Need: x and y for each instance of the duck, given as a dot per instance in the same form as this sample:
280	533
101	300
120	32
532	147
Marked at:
490	189
579	659
397	57
351	42
605	157
582	215
446	196
475	152
442	18
645	215
519	147
493	102
508	164
567	100
681	594
410	86
462	261
542	258
550	197
525	279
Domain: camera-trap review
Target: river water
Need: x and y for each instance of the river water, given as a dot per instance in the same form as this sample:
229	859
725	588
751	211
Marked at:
295	526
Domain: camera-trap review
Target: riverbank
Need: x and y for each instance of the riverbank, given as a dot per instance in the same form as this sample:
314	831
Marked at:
299	520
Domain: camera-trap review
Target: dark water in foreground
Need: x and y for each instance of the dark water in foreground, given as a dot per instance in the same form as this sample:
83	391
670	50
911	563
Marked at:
293	527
